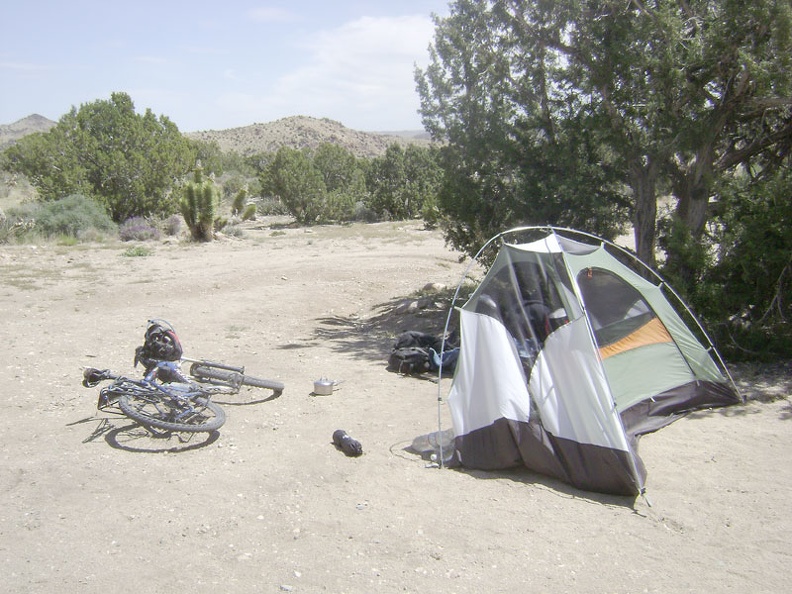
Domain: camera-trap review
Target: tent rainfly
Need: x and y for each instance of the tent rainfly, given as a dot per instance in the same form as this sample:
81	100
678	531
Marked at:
567	356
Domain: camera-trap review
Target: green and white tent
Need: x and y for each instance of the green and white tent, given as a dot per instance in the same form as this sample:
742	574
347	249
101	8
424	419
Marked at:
567	355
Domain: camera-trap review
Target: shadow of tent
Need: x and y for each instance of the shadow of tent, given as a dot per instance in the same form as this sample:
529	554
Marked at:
425	446
559	488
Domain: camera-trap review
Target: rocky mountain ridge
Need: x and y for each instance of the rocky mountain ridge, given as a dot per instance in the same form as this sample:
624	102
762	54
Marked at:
306	132
294	131
10	133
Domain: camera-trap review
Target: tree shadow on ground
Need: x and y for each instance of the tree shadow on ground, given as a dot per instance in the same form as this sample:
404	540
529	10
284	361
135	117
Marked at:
372	337
763	382
758	383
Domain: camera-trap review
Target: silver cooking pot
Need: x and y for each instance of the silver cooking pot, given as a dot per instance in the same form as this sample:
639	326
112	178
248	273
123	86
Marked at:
324	387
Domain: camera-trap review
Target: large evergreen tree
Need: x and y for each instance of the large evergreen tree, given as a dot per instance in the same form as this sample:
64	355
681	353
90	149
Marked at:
292	177
404	181
130	163
550	109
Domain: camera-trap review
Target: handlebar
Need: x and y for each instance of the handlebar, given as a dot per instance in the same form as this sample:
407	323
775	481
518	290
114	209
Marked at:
92	376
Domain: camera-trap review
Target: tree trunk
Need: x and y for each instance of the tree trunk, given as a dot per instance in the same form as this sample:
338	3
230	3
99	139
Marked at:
692	210
643	181
691	183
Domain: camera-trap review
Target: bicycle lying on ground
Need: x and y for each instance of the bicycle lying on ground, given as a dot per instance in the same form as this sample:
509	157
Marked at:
167	400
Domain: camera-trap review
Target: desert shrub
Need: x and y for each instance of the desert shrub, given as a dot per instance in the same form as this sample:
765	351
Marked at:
233	231
272	207
249	213
747	291
71	216
220	223
138	251
173	225
12	228
239	201
66	240
138	229
95	235
365	213
339	206
431	215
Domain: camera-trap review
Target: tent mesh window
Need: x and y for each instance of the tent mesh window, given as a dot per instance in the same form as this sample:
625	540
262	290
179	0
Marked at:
620	317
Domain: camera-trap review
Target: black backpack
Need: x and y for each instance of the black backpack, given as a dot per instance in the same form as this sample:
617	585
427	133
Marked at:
159	344
410	360
412	338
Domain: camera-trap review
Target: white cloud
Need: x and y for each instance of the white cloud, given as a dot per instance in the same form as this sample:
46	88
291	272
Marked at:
360	74
358	68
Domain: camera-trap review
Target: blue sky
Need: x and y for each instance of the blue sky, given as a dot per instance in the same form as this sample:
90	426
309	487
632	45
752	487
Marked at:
219	64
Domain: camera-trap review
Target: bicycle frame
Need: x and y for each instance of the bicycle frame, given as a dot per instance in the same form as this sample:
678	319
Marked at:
159	406
150	389
170	400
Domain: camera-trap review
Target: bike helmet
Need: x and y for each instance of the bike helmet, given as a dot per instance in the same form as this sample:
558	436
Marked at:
160	344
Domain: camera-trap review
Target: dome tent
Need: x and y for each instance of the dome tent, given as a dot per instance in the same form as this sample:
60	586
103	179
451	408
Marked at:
568	355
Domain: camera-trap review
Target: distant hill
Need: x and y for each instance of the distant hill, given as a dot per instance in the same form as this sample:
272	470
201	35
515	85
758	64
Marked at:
295	132
10	133
306	132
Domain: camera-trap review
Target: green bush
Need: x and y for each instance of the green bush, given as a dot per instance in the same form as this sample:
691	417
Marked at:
239	201
137	251
249	213
339	206
72	216
748	289
364	213
272	207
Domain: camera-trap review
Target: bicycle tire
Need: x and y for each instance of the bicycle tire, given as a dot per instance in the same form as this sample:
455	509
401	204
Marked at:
157	412
233	378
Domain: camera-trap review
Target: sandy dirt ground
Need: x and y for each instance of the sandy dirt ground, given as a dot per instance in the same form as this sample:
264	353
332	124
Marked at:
89	502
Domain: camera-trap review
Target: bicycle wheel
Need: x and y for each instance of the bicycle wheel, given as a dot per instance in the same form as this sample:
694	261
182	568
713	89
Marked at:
194	416
232	378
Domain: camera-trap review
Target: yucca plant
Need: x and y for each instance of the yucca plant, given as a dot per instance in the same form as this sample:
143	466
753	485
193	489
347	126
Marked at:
239	202
199	205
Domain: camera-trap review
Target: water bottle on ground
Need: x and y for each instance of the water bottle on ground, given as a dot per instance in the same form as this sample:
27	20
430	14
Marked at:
342	440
